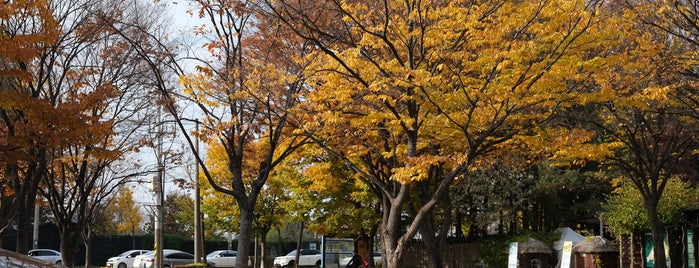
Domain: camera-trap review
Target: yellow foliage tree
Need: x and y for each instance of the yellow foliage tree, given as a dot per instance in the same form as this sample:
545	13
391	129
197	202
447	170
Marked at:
128	215
411	94
647	111
223	216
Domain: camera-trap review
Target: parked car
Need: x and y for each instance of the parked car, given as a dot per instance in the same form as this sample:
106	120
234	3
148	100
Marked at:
308	257
125	259
171	258
223	258
47	255
377	260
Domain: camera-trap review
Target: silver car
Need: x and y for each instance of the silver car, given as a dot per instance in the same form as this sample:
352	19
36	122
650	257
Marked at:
125	259
47	255
223	258
171	258
307	257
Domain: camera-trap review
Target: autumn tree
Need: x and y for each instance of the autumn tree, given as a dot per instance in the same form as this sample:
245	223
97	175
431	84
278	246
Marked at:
644	113
653	140
224	217
324	194
245	94
413	94
26	27
120	216
125	212
623	215
178	214
94	82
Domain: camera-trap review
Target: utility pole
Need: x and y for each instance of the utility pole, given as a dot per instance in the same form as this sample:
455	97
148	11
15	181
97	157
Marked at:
198	230
158	189
35	235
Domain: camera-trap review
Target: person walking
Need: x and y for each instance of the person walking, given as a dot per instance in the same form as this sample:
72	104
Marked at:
355	262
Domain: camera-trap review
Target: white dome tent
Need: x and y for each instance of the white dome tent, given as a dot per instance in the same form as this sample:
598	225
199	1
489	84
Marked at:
567	234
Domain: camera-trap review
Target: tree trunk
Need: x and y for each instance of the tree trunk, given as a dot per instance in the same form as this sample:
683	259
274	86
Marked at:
657	231
23	225
371	242
244	235
69	235
458	225
433	235
298	247
25	192
427	232
389	233
280	241
88	248
263	249
446	224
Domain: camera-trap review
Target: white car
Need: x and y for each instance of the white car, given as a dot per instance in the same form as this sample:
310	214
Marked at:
308	257
377	260
125	259
171	258
47	255
223	258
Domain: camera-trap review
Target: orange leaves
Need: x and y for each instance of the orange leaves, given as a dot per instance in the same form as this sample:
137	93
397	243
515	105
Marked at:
35	27
476	77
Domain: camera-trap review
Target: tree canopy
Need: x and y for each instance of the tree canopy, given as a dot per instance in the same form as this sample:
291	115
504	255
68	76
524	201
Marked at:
412	94
397	118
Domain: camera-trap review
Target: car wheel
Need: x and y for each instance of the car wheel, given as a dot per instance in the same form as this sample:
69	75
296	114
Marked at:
318	264
121	265
290	264
58	262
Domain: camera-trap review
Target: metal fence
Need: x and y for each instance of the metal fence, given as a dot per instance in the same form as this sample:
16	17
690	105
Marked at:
463	255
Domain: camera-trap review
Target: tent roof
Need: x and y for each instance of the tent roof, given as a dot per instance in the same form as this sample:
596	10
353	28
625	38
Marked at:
567	234
597	245
533	246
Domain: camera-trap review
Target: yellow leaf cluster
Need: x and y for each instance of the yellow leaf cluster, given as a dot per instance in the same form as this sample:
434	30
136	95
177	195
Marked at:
464	74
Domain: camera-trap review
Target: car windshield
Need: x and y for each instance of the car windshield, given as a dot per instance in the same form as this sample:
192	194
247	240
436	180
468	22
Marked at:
304	252
124	254
212	254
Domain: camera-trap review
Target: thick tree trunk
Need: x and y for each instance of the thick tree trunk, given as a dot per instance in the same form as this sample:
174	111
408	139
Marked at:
431	233
657	231
68	243
427	232
390	235
25	192
244	236
23	225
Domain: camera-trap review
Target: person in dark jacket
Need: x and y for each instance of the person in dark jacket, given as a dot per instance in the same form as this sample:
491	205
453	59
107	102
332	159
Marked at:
355	262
